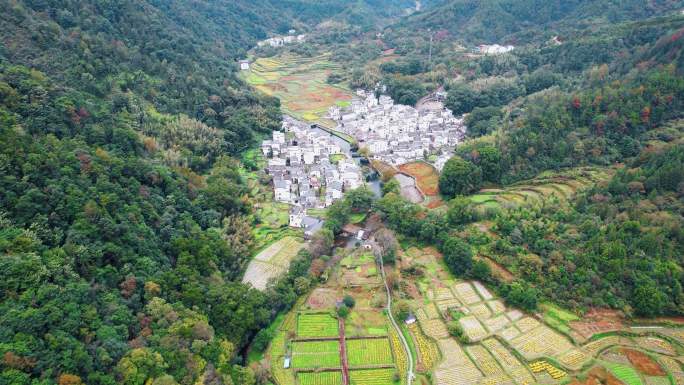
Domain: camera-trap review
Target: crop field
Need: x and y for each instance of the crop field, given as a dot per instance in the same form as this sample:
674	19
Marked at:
574	359
558	318
465	292
317	325
369	351
456	368
315	354
541	341
535	191
300	83
426	176
320	378
625	373
428	353
371	377
472	328
272	262
400	356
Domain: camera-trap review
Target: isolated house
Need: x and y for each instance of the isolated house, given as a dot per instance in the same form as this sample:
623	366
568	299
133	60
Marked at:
244	65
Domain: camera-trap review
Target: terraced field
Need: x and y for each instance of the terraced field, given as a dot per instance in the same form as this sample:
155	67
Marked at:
299	83
538	190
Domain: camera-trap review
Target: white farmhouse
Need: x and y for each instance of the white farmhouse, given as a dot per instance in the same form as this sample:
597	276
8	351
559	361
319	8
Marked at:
296	216
281	189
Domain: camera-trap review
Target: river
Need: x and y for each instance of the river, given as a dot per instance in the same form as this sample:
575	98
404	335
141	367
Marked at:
372	180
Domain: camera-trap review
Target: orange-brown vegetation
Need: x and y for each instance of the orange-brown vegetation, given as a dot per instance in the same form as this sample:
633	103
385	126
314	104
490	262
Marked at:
598	376
643	363
426	176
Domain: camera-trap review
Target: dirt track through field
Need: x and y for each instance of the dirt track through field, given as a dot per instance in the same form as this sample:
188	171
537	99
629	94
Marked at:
343	353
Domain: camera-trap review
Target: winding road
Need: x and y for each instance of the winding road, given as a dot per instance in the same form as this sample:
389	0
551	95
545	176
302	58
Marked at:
409	374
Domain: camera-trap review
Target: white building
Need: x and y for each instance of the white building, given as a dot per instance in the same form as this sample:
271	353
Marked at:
244	65
296	216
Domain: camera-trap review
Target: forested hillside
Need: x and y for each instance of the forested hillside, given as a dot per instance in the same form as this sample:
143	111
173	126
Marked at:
514	21
124	224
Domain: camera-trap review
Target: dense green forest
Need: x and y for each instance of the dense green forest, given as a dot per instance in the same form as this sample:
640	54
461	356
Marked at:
124	227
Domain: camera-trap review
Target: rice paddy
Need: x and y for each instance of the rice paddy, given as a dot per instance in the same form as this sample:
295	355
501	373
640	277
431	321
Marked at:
300	84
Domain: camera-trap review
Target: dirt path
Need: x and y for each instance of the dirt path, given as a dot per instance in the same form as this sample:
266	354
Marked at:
343	353
409	374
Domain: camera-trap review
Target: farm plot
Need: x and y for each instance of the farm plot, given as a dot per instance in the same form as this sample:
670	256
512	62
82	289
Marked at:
496	306
540	342
526	324
456	368
543	366
509	333
535	191
272	262
371	377
594	347
434	328
472	328
675	368
300	84
643	362
317	325
398	350
482	290
484	361
625	373
428	353
465	292
369	351
320	378
315	354
481	311
497	323
427	178
574	359
657	345
446	304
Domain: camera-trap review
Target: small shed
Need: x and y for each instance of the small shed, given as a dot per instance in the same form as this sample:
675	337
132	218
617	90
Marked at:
244	65
411	319
286	363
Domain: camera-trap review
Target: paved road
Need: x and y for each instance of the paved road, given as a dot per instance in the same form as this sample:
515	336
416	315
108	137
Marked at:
409	374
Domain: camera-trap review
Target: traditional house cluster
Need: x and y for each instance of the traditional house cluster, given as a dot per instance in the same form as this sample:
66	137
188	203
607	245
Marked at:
494	49
395	133
305	173
279	41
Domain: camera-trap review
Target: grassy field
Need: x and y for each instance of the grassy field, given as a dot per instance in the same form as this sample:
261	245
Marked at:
320	378
300	84
372	377
426	176
557	318
317	325
315	354
369	351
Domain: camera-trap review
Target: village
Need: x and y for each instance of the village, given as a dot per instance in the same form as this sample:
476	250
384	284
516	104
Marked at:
397	134
310	168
